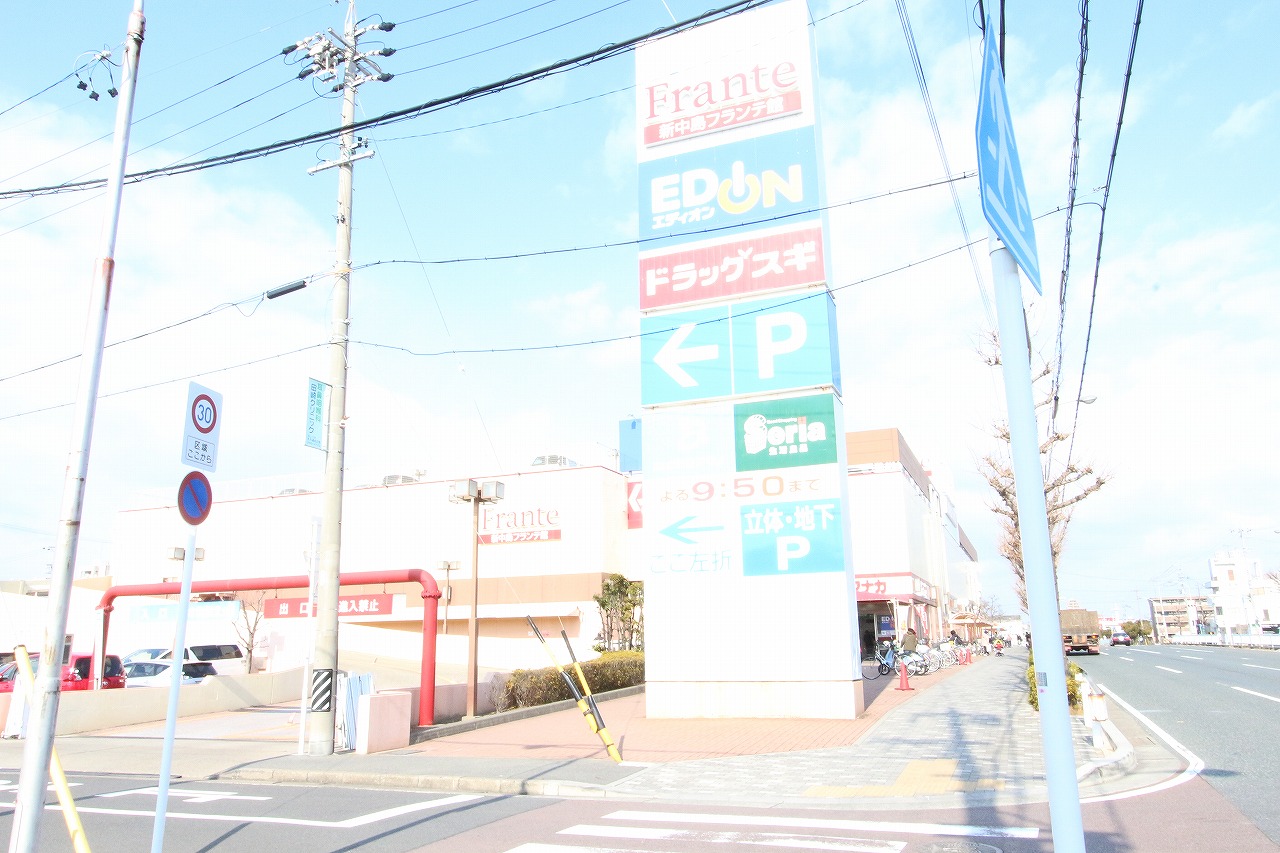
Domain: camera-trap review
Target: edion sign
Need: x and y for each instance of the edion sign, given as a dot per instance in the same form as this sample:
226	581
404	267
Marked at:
731	187
748	75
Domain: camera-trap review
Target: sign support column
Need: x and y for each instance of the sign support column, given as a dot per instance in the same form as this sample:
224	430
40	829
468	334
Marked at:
36	754
1004	202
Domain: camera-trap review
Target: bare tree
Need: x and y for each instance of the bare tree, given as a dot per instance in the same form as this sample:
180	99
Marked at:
986	610
1066	482
250	619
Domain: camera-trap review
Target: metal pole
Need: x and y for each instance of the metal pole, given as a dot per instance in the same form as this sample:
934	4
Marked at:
33	778
177	659
1033	528
473	625
303	704
320	723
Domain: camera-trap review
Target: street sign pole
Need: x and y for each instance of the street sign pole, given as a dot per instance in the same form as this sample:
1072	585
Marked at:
1033	528
175	670
33	778
1005	205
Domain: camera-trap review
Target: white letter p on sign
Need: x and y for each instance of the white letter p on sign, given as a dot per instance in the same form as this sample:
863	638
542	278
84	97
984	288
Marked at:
791	548
769	345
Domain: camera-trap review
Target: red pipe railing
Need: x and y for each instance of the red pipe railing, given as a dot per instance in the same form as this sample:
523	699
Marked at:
430	611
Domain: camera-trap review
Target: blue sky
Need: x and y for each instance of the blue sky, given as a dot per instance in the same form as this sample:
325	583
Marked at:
1182	359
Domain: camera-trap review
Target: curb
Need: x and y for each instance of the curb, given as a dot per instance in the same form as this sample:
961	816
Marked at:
421	734
1122	760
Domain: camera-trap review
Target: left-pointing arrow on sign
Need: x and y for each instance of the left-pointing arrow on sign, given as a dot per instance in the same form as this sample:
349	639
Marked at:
680	531
671	357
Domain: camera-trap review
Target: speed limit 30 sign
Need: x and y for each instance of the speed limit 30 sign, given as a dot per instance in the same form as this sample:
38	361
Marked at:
201	425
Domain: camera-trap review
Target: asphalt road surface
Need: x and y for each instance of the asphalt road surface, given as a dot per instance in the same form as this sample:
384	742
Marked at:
1223	704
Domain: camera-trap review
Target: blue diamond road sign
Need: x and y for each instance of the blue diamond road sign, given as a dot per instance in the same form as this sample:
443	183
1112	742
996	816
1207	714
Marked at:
1004	195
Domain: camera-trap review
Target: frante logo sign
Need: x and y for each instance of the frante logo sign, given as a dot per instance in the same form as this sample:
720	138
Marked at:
746	75
706	106
785	433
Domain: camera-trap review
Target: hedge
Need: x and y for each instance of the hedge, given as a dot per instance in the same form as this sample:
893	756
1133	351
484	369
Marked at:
1073	686
526	688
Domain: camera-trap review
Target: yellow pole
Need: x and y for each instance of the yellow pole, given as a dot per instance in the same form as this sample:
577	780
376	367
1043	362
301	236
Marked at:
69	814
585	703
599	728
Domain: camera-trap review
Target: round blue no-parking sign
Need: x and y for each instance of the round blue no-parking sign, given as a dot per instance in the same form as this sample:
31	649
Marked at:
195	497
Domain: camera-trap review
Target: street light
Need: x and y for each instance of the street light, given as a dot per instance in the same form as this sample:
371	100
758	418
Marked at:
447	566
469	491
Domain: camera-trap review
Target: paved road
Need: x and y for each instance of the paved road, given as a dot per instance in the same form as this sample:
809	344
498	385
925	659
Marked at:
1222	704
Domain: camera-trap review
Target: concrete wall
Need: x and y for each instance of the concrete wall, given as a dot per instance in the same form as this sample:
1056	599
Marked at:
82	711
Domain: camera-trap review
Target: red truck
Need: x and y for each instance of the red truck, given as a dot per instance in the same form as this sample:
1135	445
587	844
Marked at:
1080	631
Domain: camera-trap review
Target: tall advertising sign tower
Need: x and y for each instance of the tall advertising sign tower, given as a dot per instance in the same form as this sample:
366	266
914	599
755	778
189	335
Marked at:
750	602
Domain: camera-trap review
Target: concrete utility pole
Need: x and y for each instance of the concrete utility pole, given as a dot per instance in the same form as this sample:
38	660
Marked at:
327	53
33	779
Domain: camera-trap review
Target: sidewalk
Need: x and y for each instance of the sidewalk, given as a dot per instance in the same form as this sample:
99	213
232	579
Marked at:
965	736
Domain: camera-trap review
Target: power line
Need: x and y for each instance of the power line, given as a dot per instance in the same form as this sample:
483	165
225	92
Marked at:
509	43
163	382
404	114
942	152
1072	172
499	350
1106	194
472	28
798	214
257	300
37	94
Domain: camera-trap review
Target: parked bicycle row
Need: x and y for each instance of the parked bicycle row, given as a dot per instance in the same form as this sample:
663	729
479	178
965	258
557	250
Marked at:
922	658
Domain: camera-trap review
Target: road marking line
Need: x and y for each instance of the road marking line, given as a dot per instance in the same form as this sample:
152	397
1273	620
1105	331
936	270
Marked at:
1260	666
191	796
538	847
1190	657
1167	669
1194	764
766	839
830	823
1147	651
1255	693
349	823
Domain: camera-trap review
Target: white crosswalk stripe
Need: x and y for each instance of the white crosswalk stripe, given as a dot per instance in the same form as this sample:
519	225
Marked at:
770	839
693	831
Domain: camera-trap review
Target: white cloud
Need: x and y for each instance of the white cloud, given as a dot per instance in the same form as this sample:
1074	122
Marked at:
1245	120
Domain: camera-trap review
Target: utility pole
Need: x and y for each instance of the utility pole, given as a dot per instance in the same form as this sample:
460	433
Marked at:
327	53
33	778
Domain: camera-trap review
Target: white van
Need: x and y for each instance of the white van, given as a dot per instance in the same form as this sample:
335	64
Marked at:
227	658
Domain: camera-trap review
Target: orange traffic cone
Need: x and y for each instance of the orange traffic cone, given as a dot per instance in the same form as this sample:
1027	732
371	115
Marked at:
902	677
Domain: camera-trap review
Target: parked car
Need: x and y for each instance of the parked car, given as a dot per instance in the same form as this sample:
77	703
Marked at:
75	673
226	658
159	673
1120	638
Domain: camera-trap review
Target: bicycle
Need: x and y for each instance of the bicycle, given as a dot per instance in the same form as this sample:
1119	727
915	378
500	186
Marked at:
884	660
889	659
